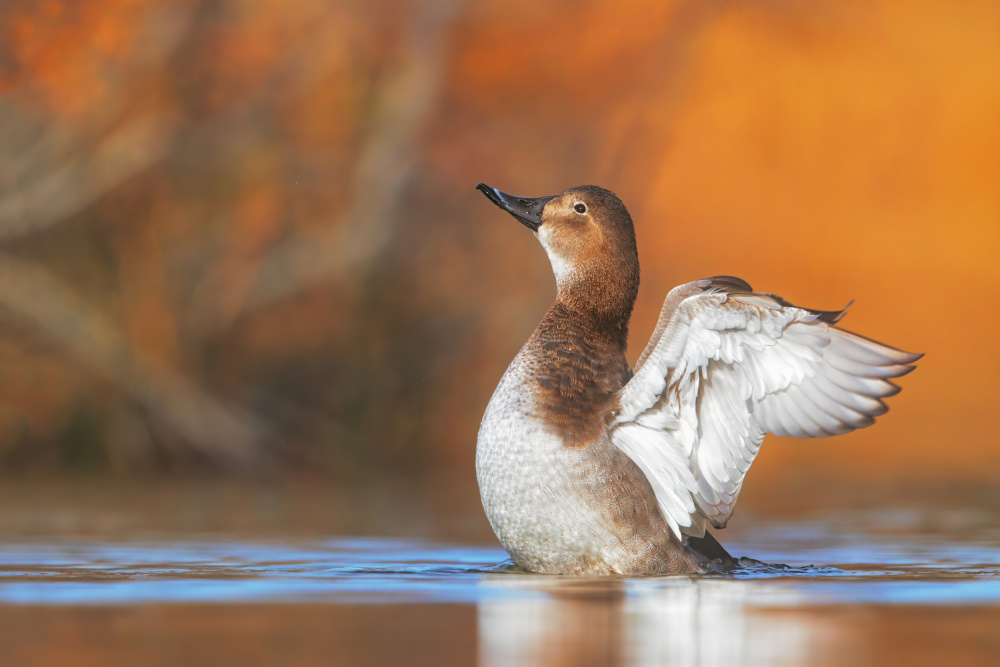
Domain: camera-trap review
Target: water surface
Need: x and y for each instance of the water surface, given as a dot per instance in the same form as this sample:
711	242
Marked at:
865	589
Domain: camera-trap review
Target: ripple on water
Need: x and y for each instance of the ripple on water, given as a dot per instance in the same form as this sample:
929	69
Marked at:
850	568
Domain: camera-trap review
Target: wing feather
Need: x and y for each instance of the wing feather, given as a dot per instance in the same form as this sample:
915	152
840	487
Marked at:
724	367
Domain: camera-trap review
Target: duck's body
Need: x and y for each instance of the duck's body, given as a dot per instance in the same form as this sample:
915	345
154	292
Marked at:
587	468
563	502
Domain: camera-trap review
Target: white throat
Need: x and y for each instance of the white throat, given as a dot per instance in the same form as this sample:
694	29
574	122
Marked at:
563	269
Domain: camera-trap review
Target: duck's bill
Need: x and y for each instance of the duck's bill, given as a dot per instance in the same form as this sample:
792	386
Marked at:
527	211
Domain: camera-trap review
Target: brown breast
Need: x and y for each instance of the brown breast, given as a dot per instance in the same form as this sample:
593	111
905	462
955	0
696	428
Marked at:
578	370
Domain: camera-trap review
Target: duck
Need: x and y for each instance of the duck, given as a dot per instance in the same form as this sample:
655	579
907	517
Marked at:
587	466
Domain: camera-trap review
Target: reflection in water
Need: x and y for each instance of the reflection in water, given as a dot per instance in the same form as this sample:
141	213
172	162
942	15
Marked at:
536	620
881	595
713	623
676	621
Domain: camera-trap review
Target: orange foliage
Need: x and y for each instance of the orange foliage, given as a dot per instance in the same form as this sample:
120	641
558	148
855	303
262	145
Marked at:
62	48
287	228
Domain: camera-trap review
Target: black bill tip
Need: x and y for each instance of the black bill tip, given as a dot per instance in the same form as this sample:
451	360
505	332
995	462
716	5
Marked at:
528	211
492	193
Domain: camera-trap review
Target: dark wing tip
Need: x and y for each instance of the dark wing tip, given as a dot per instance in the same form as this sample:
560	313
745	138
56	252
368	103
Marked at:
729	284
831	316
828	316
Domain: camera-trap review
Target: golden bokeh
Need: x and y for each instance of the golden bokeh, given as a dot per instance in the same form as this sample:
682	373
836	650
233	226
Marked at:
245	234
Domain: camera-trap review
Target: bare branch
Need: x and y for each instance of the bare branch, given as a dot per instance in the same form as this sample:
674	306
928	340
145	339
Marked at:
350	245
222	432
78	182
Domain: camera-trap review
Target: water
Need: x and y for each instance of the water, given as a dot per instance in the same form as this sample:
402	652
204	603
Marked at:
387	571
869	589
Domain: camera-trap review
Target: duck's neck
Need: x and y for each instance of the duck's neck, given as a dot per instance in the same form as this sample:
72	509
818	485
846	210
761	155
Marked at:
598	305
579	362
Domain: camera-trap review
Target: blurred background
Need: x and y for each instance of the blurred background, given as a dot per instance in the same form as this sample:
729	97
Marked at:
240	240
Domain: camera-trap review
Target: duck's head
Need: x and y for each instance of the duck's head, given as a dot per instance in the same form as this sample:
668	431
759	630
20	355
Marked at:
588	235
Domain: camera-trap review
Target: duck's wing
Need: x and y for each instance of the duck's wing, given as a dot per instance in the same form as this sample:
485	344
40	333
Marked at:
678	294
727	366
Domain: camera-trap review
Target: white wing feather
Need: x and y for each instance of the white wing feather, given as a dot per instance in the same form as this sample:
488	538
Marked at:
725	370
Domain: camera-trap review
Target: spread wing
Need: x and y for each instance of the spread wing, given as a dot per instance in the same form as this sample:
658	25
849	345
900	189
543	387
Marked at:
726	366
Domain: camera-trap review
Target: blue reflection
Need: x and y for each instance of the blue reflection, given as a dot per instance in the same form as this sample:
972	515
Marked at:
853	568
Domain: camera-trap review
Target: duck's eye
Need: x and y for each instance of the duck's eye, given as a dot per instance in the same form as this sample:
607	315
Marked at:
580	207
